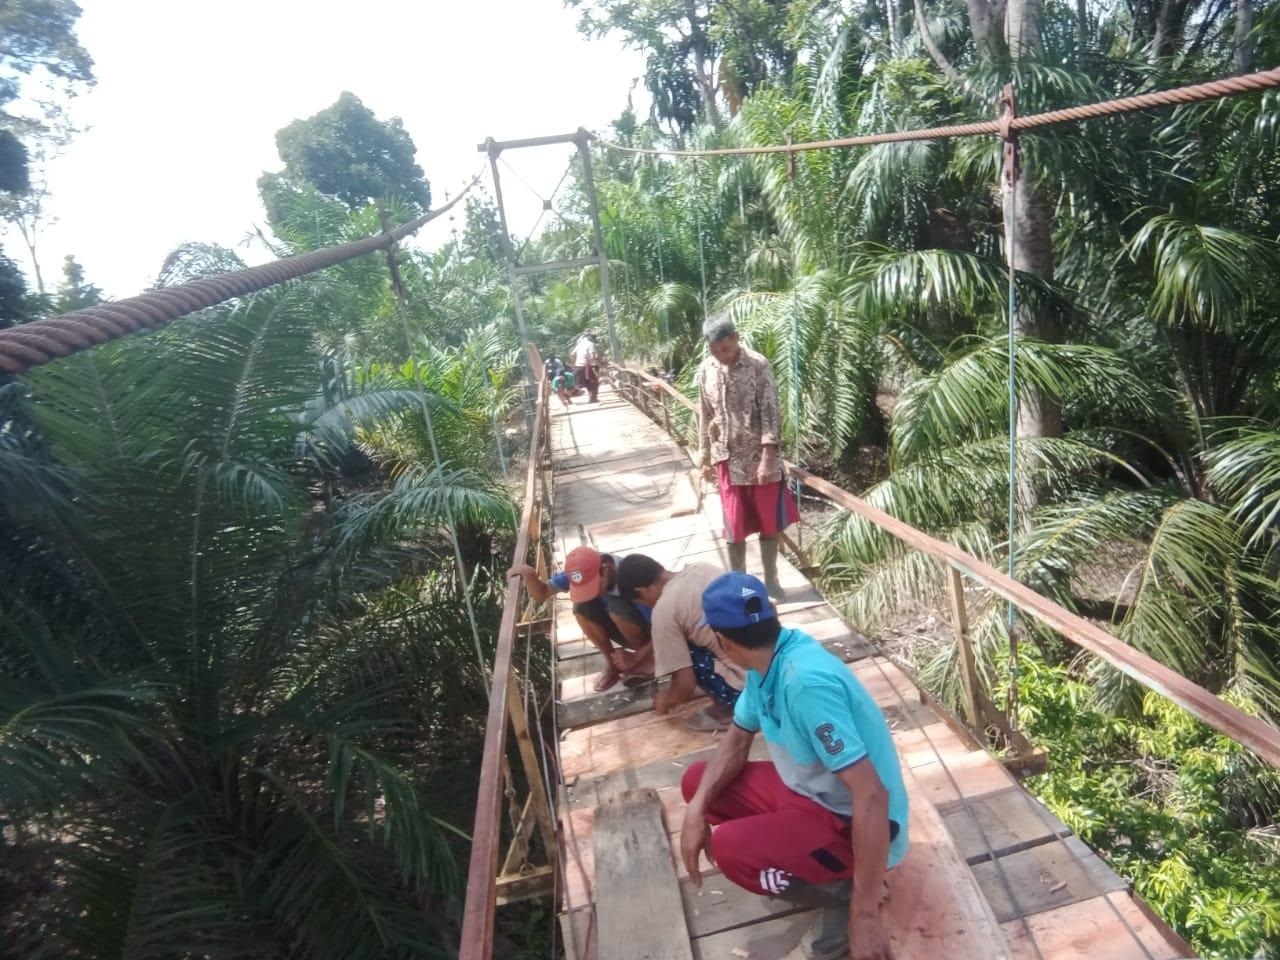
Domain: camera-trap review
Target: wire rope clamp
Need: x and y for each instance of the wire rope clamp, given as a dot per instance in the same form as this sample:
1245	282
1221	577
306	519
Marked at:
1012	154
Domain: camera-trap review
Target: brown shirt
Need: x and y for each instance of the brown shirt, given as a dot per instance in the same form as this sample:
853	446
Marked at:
675	625
738	413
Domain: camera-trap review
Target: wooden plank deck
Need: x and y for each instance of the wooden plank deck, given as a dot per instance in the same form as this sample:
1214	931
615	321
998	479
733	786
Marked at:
991	872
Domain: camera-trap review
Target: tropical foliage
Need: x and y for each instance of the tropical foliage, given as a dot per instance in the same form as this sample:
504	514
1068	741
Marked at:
241	686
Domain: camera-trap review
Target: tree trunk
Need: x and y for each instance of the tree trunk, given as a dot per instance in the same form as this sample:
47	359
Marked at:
982	24
1168	28
935	52
1028	239
706	80
1022	29
1244	43
28	233
894	16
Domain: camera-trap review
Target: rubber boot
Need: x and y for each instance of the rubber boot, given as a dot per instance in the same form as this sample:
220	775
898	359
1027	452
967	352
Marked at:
738	556
828	938
769	560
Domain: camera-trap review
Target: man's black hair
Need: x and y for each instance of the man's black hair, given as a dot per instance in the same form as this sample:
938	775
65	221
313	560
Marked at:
756	635
636	571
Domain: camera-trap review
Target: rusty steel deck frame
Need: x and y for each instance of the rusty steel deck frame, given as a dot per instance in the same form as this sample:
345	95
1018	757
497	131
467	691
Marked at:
1259	737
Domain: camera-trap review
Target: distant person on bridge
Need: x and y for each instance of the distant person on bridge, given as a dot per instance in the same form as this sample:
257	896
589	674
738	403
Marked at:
739	429
560	377
683	647
606	618
821	822
586	364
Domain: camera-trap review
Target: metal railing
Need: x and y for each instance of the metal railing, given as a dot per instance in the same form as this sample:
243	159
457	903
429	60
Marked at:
488	884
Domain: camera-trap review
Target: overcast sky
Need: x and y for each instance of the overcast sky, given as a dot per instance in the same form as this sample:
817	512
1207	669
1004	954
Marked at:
190	94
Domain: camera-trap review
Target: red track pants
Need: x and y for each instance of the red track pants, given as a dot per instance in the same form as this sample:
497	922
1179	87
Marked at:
765	833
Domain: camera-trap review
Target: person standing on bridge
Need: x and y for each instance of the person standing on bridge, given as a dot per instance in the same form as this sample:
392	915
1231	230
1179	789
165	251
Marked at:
606	618
586	362
683	647
739	430
819	823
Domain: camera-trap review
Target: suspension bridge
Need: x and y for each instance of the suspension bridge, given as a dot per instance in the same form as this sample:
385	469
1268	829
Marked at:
583	807
991	873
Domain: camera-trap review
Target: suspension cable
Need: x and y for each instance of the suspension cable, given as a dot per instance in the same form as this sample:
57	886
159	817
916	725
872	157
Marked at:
1194	93
32	344
697	225
1011	174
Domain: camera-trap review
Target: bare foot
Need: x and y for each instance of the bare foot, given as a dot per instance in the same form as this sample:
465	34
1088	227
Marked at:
607	679
628	661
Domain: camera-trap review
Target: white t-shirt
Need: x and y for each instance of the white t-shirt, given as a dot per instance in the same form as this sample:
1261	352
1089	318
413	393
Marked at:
584	352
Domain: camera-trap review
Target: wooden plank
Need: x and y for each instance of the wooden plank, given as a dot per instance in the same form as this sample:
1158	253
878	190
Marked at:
999	824
621	702
687	496
1095	929
662	774
539	882
529	760
638	907
1034	881
723	905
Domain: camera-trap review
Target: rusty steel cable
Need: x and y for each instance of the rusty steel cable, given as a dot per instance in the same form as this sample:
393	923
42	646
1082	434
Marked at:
31	344
1195	93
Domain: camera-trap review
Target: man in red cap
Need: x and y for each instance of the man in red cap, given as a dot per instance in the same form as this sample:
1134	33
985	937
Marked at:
606	617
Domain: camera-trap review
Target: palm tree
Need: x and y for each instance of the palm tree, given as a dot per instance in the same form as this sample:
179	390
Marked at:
221	720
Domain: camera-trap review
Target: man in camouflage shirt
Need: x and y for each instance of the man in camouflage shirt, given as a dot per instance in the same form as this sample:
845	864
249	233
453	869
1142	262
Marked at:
739	429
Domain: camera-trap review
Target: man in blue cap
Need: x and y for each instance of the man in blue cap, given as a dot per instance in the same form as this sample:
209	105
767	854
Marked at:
823	819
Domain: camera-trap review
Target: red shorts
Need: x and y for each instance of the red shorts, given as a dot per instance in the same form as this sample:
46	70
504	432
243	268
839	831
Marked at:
765	834
764	508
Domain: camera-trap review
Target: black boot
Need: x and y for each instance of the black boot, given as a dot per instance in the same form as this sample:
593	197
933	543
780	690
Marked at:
828	938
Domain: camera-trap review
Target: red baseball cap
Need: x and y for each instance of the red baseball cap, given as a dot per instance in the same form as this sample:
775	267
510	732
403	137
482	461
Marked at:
582	566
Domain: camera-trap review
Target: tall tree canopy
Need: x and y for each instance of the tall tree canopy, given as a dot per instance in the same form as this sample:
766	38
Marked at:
40	34
36	36
345	151
701	56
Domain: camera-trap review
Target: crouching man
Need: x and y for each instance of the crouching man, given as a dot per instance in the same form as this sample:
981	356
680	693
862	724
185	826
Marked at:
819	823
606	619
684	648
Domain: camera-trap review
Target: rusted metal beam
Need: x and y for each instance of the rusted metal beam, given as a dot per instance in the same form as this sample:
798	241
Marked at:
527	268
1262	738
481	899
495	147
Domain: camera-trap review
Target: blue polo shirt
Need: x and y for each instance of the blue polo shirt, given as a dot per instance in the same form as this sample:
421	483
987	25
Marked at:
817	720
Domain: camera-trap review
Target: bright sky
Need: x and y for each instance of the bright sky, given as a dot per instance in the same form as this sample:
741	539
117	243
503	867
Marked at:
190	95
